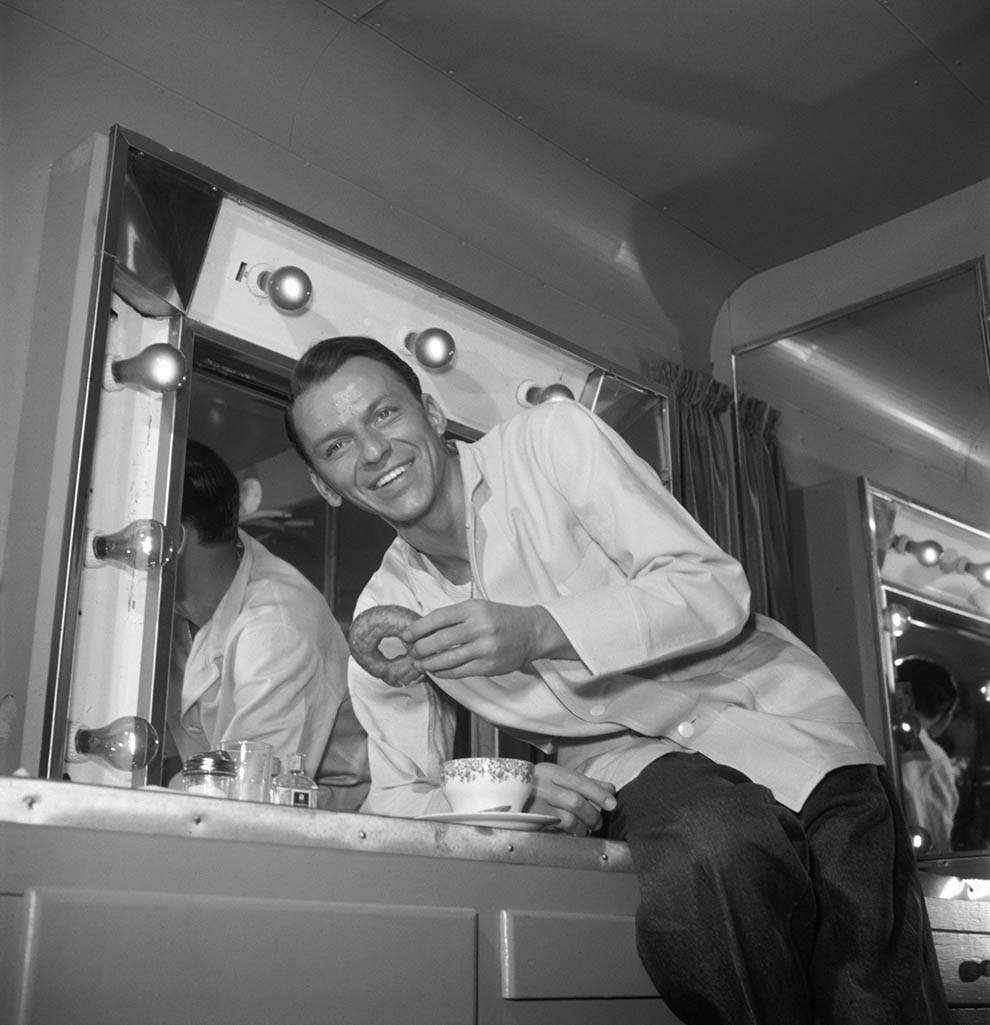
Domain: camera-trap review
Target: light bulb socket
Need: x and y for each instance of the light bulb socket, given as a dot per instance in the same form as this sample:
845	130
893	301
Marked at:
72	753
523	392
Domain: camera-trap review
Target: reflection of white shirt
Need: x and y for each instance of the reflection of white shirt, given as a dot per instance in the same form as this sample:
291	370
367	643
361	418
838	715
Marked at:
270	664
561	513
929	792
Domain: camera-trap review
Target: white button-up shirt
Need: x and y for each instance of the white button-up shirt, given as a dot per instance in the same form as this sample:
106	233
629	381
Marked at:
563	514
270	664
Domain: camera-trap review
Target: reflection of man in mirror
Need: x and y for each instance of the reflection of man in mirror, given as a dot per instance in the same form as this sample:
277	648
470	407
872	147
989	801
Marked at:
256	652
564	595
926	699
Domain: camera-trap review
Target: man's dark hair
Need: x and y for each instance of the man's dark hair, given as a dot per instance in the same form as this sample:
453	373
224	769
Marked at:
325	358
933	689
211	496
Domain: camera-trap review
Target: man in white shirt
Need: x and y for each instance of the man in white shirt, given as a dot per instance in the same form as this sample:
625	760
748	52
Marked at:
256	652
567	598
928	696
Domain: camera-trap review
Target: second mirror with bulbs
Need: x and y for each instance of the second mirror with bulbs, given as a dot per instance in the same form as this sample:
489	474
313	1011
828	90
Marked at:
902	607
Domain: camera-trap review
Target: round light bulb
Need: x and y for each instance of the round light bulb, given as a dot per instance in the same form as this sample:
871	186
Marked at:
906	731
979	570
128	743
289	288
535	395
433	348
898	619
159	368
921	839
928	553
143	544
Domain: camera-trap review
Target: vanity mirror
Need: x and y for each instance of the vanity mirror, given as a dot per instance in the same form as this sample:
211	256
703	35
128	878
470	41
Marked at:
933	576
884	433
219	290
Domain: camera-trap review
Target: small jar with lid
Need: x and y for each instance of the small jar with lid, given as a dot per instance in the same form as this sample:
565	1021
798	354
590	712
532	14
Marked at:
209	774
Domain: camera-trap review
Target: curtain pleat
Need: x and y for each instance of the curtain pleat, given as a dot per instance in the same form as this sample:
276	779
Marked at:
765	522
750	523
704	455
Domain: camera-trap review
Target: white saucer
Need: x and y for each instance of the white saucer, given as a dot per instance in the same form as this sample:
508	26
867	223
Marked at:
525	820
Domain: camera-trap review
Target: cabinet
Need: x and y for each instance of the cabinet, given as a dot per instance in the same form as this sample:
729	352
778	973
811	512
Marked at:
961	930
123	906
119	906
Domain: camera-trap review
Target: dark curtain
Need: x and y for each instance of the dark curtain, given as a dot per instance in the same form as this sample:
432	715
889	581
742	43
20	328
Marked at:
765	525
749	521
703	450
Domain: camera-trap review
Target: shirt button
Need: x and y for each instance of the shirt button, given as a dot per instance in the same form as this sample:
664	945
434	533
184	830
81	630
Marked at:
686	729
597	709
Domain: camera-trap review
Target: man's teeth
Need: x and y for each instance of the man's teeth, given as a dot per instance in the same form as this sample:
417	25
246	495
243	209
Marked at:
390	476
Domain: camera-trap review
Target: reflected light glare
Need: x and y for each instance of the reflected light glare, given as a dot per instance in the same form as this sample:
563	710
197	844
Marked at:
921	840
907	731
860	390
897	619
803	351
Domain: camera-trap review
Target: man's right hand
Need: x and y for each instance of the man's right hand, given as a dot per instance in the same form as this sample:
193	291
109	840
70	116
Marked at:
577	800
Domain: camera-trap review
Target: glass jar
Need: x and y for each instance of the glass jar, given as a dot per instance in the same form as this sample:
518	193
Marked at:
209	774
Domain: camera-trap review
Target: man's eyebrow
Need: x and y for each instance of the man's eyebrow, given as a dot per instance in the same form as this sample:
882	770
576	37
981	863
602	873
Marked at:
390	395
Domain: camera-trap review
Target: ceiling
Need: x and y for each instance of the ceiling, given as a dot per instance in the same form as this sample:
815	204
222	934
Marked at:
769	128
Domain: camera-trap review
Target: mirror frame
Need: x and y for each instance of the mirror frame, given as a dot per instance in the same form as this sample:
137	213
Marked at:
117	272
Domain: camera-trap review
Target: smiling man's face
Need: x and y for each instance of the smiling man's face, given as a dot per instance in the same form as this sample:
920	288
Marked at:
372	443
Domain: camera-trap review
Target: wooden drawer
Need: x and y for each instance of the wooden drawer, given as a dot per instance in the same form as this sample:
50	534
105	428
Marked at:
961	930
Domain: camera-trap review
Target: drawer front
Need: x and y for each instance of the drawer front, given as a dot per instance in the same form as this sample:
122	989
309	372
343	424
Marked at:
95	957
964	959
562	956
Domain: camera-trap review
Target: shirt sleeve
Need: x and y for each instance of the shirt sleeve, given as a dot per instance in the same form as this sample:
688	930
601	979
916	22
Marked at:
410	733
670	590
276	689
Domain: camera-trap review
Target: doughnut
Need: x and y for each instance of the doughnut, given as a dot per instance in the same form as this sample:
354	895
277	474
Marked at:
366	634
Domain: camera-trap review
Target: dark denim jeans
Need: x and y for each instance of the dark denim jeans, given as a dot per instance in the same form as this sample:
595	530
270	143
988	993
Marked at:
752	913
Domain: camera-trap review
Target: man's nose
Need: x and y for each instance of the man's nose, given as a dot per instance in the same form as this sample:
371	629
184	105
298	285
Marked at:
374	446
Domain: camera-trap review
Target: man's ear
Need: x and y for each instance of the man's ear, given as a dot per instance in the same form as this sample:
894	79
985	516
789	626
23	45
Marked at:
183	536
435	414
326	492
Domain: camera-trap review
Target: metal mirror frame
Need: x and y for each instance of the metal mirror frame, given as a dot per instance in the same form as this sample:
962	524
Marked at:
119	270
